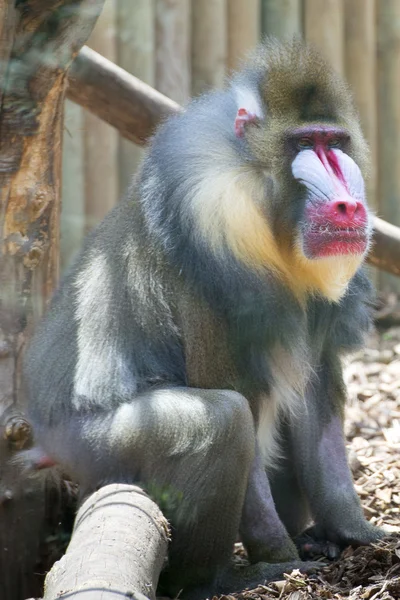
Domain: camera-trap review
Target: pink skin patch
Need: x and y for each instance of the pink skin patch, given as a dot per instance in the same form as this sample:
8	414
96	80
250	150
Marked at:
242	118
44	462
336	217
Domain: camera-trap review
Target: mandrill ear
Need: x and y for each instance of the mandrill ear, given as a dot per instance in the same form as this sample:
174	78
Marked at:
249	109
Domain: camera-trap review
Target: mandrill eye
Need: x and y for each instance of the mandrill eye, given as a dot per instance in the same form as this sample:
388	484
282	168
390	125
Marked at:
334	143
305	144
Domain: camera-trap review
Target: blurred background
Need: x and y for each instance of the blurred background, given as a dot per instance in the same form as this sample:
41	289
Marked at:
184	47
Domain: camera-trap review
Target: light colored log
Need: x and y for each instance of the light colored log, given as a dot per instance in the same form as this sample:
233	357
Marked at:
324	27
388	12
136	54
173	49
135	109
386	254
101	140
117	550
244	29
209	44
281	18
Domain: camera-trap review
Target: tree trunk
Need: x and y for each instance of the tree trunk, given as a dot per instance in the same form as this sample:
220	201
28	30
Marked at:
37	43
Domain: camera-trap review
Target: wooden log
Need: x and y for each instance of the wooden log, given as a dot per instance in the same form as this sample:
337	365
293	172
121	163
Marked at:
209	44
137	109
360	53
43	39
100	139
72	222
244	29
136	54
388	13
386	252
360	59
173	49
131	106
324	27
118	547
281	18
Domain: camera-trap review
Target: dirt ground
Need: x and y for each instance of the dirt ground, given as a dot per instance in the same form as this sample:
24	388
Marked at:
373	433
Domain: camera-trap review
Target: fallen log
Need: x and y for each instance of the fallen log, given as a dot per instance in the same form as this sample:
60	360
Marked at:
135	109
117	550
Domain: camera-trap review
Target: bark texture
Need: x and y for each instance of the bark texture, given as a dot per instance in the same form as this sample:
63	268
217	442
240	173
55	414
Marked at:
118	548
38	41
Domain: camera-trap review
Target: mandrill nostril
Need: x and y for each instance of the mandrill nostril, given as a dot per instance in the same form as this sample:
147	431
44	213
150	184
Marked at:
347	209
342	212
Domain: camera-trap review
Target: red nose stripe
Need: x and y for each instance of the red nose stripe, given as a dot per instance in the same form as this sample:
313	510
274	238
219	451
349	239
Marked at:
331	163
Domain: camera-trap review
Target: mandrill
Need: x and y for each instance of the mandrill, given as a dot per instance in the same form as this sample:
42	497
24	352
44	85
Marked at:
195	345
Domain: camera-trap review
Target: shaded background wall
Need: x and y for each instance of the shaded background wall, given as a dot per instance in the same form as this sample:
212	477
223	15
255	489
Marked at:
183	47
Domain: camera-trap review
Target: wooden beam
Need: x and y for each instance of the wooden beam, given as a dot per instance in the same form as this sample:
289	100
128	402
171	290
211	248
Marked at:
388	27
101	140
173	48
135	109
324	27
136	51
209	45
360	55
131	106
386	251
360	62
281	18
244	29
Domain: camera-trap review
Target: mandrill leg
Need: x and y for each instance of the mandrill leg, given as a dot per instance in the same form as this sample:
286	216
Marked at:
317	477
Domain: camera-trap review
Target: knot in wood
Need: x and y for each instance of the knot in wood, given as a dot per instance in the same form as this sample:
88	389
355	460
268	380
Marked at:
18	432
33	258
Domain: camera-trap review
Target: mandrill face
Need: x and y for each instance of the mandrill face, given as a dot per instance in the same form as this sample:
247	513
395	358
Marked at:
336	221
